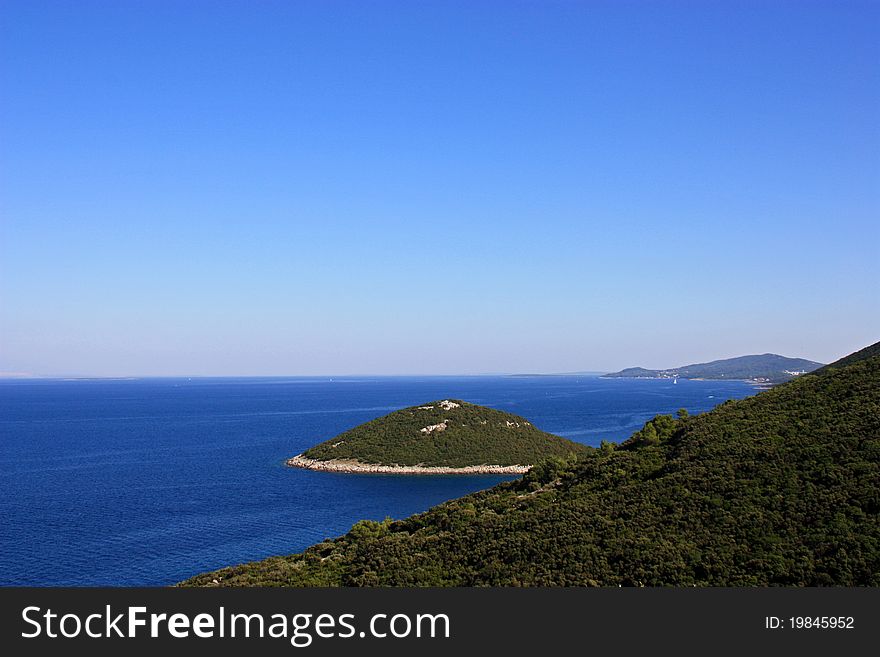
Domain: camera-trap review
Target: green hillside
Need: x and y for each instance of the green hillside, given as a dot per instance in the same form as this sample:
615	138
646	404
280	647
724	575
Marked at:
448	432
782	488
872	351
770	368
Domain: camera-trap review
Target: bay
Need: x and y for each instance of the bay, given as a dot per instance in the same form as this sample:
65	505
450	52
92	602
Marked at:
145	482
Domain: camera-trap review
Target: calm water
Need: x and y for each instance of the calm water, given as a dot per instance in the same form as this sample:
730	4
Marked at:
146	482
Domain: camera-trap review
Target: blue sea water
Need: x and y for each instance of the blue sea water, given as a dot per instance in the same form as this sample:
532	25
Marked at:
146	482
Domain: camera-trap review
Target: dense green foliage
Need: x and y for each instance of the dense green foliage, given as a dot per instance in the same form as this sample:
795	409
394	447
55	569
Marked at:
464	434
769	367
782	488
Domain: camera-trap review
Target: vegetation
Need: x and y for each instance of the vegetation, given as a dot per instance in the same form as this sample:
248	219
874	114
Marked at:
782	488
766	367
449	433
863	354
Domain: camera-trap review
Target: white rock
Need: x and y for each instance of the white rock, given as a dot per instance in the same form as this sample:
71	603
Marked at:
355	467
435	427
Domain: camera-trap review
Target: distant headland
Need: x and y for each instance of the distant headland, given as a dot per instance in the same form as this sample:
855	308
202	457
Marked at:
762	369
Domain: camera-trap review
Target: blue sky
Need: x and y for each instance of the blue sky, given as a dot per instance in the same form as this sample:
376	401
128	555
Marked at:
260	188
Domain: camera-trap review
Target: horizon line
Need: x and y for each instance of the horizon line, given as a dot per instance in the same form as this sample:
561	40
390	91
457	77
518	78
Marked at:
130	377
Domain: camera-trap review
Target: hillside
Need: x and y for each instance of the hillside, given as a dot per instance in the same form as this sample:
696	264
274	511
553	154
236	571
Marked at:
765	368
867	353
449	433
782	488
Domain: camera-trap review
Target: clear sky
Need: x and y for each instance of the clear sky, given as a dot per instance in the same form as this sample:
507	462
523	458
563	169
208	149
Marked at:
260	188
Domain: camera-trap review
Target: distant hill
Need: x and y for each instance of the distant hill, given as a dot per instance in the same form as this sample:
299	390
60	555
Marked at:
448	433
782	488
764	368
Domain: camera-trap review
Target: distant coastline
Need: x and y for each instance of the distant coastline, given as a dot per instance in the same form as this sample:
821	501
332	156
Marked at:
757	369
356	467
758	383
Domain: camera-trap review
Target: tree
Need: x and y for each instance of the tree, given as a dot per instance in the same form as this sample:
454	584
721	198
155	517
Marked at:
648	435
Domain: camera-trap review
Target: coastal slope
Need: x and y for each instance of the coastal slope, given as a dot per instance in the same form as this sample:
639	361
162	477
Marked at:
782	488
761	368
447	436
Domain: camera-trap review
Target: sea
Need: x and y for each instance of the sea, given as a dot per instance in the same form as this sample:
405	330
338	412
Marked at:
145	482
